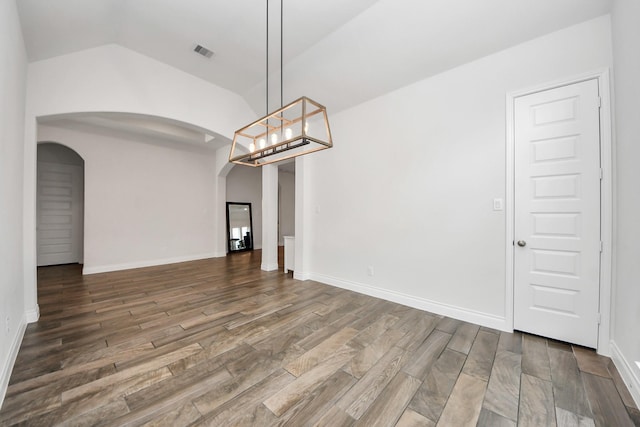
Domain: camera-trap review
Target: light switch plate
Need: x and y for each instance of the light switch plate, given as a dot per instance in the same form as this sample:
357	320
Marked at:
498	204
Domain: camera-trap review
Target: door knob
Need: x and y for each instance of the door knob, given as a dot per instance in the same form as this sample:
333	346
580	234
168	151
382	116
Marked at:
522	243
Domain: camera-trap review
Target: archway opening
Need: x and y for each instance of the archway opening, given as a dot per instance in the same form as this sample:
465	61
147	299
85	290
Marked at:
59	205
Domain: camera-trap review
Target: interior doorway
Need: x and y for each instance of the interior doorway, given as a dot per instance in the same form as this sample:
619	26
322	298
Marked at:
59	205
557	213
559	210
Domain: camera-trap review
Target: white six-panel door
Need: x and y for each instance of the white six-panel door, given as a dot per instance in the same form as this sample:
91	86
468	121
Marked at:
59	214
557	213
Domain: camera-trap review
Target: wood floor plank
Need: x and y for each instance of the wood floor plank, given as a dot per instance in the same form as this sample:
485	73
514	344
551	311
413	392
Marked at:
172	405
387	409
591	362
536	403
319	353
503	392
463	338
181	416
369	356
256	368
434	392
358	399
105	412
304	385
382	322
335	417
465	403
250	399
120	376
184	379
634	414
606	404
415	334
427	354
625	395
570	419
207	342
568	389
480	359
535	359
448	325
413	419
309	410
488	418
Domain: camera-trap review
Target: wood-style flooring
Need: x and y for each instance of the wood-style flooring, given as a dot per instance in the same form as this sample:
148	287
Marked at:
218	342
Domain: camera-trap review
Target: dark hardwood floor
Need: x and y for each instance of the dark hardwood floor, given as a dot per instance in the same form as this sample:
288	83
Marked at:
219	342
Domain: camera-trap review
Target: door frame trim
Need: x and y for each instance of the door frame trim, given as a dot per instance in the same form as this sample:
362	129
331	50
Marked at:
606	198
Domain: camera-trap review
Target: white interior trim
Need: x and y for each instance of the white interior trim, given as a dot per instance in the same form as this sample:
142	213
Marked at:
32	315
11	360
606	205
149	263
626	372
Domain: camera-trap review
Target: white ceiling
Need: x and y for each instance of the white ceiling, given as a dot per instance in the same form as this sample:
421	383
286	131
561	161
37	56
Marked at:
337	52
168	30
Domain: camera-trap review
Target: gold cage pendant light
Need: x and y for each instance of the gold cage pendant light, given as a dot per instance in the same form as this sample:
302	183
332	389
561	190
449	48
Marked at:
298	128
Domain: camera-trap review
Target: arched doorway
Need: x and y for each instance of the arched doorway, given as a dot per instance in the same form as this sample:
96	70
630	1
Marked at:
59	205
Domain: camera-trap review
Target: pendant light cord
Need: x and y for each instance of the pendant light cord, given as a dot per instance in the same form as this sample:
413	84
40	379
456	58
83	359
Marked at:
266	111
281	56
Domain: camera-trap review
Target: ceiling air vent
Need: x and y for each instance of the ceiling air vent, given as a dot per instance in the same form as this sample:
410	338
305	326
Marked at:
203	51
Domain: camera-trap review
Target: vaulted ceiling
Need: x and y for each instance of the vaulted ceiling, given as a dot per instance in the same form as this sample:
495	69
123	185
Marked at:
338	52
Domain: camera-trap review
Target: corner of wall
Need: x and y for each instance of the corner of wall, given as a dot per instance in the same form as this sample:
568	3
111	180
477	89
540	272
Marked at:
627	372
268	267
301	276
5	374
32	315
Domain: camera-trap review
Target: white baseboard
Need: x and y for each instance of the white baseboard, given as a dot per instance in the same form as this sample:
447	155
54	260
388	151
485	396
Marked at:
11	360
149	263
301	276
627	372
269	267
435	307
33	314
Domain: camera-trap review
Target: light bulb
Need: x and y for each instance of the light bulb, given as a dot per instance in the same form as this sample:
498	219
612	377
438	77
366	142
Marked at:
306	127
274	139
288	133
262	142
252	147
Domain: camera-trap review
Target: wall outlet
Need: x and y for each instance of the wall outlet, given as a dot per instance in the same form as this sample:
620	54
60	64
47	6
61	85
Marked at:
370	271
8	324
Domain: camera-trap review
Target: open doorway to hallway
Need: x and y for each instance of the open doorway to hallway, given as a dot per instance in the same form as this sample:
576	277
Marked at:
244	185
59	205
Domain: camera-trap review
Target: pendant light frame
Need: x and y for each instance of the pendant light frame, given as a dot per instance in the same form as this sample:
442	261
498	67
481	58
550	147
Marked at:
263	142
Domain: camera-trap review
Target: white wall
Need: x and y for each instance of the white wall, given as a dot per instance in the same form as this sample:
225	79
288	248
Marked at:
244	184
626	346
408	187
286	205
145	204
115	79
13	67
